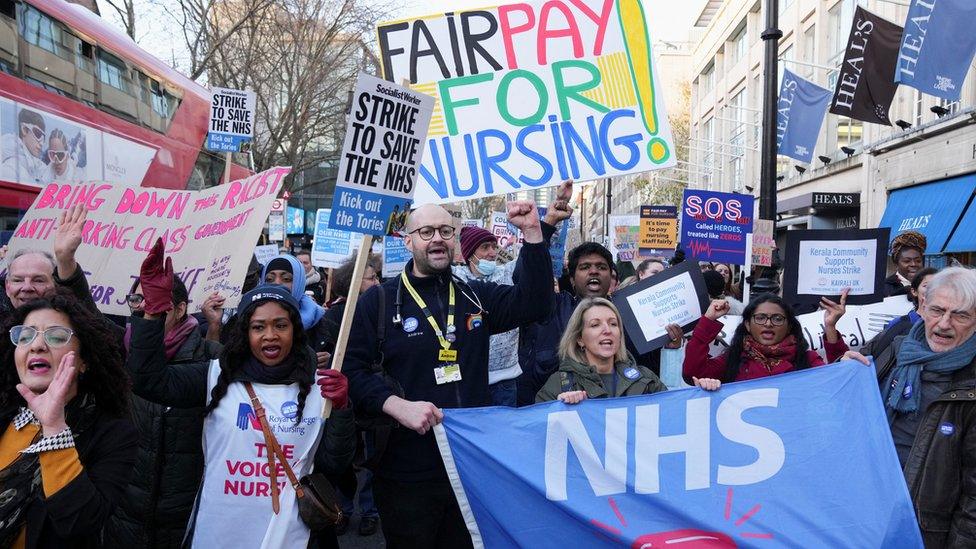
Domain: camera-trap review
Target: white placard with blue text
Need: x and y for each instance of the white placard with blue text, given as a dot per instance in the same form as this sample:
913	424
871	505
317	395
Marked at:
381	154
395	256
330	247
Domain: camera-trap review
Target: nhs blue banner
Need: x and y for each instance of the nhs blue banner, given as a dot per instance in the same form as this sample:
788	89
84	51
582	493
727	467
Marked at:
801	109
937	47
799	460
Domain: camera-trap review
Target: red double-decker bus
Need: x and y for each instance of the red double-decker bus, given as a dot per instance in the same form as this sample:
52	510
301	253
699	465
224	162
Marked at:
80	101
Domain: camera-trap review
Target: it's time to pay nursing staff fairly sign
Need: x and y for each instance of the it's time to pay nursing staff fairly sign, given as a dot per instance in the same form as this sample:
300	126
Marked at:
530	94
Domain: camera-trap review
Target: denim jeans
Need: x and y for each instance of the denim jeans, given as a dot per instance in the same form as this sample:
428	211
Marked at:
504	393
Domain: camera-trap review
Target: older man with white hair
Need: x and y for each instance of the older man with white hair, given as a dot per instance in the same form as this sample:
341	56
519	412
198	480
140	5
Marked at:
33	273
930	398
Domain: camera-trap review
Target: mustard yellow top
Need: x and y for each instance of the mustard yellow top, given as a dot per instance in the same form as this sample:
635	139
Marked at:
58	467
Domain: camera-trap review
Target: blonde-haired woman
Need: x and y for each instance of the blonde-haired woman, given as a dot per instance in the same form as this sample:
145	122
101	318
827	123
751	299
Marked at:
594	363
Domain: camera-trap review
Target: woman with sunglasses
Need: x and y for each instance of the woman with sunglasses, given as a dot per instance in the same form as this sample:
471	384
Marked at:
769	341
68	447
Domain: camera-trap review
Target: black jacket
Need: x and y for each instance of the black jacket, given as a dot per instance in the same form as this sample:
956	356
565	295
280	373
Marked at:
884	347
410	351
75	515
185	386
158	502
941	467
893	286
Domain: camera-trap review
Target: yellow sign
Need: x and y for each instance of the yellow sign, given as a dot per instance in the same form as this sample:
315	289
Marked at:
658	230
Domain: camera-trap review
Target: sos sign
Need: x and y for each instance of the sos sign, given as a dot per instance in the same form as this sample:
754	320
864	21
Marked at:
714	225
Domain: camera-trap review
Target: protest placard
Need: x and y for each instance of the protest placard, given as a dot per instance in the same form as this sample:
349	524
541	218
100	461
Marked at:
382	150
395	256
473	223
265	253
330	247
500	228
673	296
763	242
714	225
750	465
546	92
276	226
860	324
658	234
231	119
557	247
209	234
624	234
827	262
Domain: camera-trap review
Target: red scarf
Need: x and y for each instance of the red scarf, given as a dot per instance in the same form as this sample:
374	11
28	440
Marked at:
174	338
771	356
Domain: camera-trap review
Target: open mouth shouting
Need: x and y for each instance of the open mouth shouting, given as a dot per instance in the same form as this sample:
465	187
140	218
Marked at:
38	367
271	351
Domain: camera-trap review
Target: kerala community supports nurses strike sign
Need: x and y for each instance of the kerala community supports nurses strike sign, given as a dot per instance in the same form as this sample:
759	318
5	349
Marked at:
530	94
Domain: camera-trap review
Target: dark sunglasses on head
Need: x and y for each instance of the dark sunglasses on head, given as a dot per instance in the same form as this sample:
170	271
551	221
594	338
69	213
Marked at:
55	336
134	299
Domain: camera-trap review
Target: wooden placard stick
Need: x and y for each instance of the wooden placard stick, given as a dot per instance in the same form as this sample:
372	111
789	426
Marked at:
344	328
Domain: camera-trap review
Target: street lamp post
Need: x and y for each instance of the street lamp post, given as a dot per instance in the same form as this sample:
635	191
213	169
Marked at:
767	175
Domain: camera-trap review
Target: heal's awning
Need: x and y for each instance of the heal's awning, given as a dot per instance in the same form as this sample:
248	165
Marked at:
932	209
963	239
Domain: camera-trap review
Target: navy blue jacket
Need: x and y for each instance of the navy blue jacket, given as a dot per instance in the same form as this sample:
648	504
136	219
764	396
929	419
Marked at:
410	350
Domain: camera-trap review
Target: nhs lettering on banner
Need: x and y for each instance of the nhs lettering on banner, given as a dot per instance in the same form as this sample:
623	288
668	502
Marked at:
608	476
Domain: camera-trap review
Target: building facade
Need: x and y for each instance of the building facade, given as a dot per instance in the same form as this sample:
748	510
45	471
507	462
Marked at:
904	176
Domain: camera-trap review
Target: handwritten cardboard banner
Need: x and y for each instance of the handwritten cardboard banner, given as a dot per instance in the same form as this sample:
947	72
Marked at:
763	242
531	94
210	234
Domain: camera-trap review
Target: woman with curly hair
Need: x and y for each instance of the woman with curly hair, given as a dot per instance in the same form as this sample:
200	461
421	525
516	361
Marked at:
68	449
908	255
258	397
769	341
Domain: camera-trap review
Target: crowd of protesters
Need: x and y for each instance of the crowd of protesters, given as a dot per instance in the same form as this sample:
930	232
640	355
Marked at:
126	432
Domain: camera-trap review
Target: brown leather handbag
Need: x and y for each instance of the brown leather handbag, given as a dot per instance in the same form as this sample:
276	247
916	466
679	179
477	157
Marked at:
317	502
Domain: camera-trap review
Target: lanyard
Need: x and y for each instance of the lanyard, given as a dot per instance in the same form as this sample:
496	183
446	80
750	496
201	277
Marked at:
445	343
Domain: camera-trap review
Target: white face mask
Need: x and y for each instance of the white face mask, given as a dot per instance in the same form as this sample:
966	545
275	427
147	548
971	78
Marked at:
486	267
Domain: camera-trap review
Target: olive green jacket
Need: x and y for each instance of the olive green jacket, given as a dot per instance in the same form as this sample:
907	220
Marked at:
632	379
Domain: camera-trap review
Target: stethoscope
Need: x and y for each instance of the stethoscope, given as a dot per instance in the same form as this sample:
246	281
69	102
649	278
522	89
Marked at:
462	285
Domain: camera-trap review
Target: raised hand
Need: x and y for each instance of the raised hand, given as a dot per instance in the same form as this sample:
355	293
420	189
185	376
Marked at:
834	311
524	215
675	336
67	238
560	209
717	309
156	277
213	308
48	407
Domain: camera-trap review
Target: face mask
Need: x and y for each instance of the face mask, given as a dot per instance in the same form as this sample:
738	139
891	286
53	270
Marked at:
486	268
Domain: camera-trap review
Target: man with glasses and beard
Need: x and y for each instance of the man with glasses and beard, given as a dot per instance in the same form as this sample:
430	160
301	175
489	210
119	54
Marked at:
420	343
23	152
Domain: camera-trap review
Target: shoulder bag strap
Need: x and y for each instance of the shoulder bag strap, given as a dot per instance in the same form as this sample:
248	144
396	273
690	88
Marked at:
273	450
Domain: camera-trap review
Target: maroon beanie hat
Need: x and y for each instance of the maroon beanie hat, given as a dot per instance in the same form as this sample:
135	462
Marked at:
471	238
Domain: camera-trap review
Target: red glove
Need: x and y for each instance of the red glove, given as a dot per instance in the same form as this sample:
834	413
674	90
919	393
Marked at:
157	281
335	387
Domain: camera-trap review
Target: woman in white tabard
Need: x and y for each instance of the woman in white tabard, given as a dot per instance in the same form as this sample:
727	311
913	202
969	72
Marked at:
268	352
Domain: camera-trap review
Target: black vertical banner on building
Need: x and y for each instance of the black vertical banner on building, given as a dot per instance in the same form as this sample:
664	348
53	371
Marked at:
865	86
